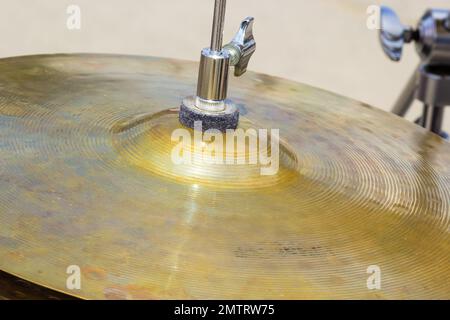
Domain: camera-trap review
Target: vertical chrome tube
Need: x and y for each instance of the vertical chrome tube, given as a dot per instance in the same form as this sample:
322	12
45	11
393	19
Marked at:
213	76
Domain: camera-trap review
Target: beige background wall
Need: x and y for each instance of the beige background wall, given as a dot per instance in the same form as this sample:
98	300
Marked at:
321	42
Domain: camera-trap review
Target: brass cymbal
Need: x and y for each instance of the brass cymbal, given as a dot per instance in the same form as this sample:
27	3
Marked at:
86	180
15	288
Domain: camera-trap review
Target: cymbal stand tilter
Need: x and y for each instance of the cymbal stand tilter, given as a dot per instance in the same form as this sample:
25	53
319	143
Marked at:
210	105
430	82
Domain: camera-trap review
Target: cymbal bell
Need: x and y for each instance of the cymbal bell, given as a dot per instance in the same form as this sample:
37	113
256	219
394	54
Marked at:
87	180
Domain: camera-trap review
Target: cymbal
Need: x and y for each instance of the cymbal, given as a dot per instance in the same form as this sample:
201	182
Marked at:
15	288
87	180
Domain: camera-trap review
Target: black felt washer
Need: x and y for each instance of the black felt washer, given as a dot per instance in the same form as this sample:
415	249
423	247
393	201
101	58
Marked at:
228	119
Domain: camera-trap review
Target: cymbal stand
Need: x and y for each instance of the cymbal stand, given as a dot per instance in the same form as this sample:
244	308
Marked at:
430	82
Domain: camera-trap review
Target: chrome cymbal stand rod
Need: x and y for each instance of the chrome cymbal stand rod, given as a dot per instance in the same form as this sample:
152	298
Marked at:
218	23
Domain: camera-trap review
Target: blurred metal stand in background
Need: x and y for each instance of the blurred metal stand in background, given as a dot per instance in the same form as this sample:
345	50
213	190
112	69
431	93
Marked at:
430	82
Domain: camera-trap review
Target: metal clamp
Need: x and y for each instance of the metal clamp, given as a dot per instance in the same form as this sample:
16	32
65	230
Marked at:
215	62
431	36
242	47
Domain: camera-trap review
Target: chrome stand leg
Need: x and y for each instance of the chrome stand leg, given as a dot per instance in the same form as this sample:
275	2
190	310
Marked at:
407	96
432	118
